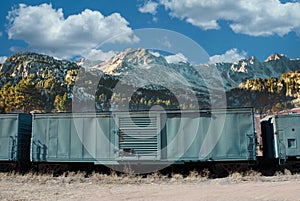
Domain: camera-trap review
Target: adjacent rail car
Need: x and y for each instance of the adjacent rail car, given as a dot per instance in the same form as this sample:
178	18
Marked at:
15	135
156	137
281	139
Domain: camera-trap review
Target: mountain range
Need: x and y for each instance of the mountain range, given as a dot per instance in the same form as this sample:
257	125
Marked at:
137	79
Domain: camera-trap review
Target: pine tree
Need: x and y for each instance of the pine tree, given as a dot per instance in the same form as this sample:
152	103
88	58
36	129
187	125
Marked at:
7	96
27	96
62	103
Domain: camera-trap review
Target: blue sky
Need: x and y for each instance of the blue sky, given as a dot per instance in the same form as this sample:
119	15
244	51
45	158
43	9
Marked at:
226	30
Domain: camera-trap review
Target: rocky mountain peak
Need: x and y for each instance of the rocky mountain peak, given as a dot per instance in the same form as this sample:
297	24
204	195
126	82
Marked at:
253	60
139	56
130	58
275	57
243	65
25	64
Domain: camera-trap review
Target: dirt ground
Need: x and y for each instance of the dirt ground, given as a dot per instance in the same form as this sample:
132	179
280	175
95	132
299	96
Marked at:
155	187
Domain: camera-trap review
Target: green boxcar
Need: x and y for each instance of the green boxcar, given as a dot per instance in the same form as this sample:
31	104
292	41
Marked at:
142	137
15	134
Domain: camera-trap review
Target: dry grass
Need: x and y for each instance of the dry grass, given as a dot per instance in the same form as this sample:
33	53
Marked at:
252	175
101	178
130	178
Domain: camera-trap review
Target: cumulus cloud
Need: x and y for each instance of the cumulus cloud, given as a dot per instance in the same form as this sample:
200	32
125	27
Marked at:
176	58
46	30
149	7
154	53
173	58
255	17
229	56
95	55
2	59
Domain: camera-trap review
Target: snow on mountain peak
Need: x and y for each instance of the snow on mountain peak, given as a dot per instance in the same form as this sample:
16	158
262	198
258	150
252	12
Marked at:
275	57
243	65
143	66
130	58
253	60
86	63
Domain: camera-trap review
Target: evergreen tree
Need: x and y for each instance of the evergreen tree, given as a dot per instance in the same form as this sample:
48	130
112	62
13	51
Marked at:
62	103
27	96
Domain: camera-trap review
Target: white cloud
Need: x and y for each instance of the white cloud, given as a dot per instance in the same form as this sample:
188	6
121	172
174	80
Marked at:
2	59
95	55
255	17
1	33
173	58
229	56
46	30
155	53
149	7
176	58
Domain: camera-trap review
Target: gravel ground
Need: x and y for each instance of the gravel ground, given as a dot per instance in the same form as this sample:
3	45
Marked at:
250	186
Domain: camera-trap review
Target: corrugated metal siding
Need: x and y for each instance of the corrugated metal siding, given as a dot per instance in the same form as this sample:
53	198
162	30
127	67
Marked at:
221	135
8	136
71	138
